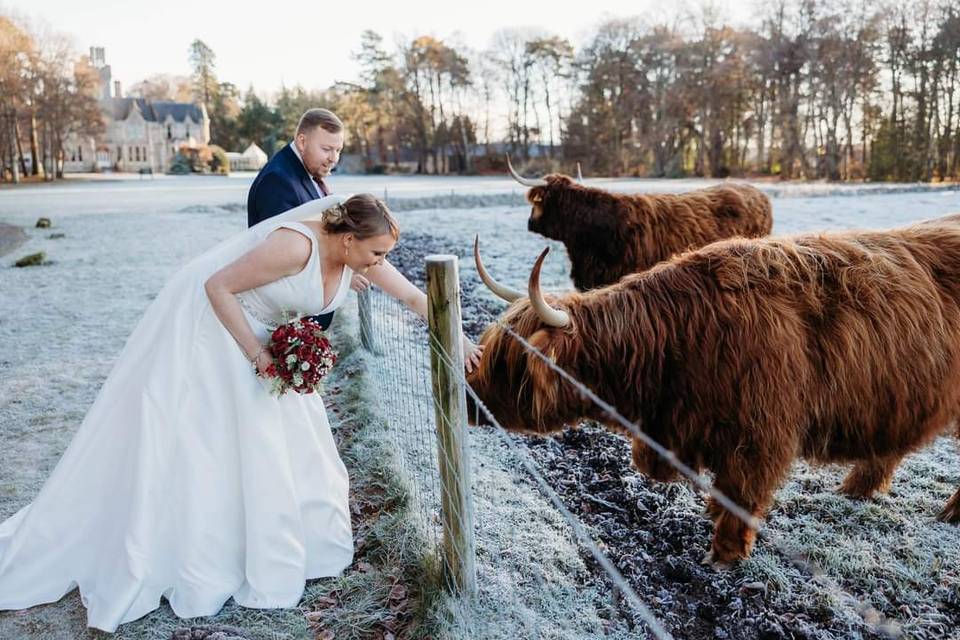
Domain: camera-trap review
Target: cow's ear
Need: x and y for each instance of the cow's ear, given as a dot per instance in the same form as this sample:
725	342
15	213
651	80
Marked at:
544	341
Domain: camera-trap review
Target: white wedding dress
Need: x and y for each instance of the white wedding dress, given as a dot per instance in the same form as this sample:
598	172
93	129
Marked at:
187	479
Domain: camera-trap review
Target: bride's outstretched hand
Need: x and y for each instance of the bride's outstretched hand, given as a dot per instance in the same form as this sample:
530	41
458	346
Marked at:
471	354
358	283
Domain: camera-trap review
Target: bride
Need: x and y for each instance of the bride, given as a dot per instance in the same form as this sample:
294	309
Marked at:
187	479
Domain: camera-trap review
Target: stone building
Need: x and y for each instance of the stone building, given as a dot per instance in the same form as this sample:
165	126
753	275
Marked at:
139	134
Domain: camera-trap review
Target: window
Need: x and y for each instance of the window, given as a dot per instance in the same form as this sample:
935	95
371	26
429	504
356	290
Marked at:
80	153
119	154
169	132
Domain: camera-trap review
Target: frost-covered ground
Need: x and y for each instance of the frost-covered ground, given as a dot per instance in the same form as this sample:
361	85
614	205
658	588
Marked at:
129	194
62	324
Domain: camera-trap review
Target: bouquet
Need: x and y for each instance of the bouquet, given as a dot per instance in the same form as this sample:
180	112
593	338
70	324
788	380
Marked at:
302	357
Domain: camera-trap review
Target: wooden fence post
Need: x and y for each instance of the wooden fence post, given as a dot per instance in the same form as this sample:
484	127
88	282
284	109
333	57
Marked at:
366	320
446	367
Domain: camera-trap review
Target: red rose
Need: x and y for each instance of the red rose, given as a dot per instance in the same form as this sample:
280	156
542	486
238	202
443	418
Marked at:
305	340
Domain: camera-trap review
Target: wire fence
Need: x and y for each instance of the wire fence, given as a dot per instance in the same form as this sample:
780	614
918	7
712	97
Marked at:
504	562
511	564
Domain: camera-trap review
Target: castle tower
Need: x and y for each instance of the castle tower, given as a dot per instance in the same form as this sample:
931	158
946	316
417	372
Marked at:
98	59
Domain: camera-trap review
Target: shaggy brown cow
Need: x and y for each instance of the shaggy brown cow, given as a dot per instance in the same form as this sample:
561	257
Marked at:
746	354
610	235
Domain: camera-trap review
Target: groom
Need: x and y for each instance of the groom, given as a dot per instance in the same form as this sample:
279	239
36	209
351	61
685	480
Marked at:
296	173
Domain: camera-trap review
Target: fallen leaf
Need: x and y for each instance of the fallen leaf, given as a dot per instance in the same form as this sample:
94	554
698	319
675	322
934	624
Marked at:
326	601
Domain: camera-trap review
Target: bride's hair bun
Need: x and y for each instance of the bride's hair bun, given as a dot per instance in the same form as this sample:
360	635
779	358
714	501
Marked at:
363	215
335	215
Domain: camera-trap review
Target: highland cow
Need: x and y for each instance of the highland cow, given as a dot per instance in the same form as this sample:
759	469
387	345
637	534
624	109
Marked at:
610	235
743	355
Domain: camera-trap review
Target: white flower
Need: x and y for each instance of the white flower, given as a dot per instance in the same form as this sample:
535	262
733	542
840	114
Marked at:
291	359
297	380
304	366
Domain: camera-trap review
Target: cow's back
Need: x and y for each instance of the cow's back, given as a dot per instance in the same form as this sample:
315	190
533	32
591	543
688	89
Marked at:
687	221
850	341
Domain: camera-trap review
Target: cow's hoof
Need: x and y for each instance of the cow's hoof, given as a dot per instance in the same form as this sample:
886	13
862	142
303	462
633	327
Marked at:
865	481
712	508
708	560
951	511
855	491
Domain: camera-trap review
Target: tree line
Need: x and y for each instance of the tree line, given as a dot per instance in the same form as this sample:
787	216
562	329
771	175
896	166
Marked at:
46	93
847	89
816	89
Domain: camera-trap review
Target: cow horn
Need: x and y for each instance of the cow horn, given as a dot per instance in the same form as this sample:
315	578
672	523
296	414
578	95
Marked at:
579	174
527	182
505	292
550	316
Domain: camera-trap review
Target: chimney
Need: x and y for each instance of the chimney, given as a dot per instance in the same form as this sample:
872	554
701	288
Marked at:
97	57
116	89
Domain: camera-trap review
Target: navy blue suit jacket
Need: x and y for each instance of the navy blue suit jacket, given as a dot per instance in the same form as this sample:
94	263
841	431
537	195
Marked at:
281	185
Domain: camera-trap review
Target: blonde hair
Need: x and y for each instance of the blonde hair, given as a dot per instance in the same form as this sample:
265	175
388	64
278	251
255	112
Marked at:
323	118
363	215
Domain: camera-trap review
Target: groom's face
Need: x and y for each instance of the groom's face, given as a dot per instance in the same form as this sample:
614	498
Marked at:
320	150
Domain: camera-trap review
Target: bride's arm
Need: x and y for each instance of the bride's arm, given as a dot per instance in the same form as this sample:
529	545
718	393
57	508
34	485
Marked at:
393	282
284	252
386	276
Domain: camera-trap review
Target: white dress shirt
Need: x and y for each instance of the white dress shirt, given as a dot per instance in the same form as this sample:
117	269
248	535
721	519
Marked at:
320	187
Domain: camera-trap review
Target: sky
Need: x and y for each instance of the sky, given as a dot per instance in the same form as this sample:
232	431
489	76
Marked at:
286	42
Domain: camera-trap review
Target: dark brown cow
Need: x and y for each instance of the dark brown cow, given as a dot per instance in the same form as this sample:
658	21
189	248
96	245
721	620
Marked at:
610	235
746	354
